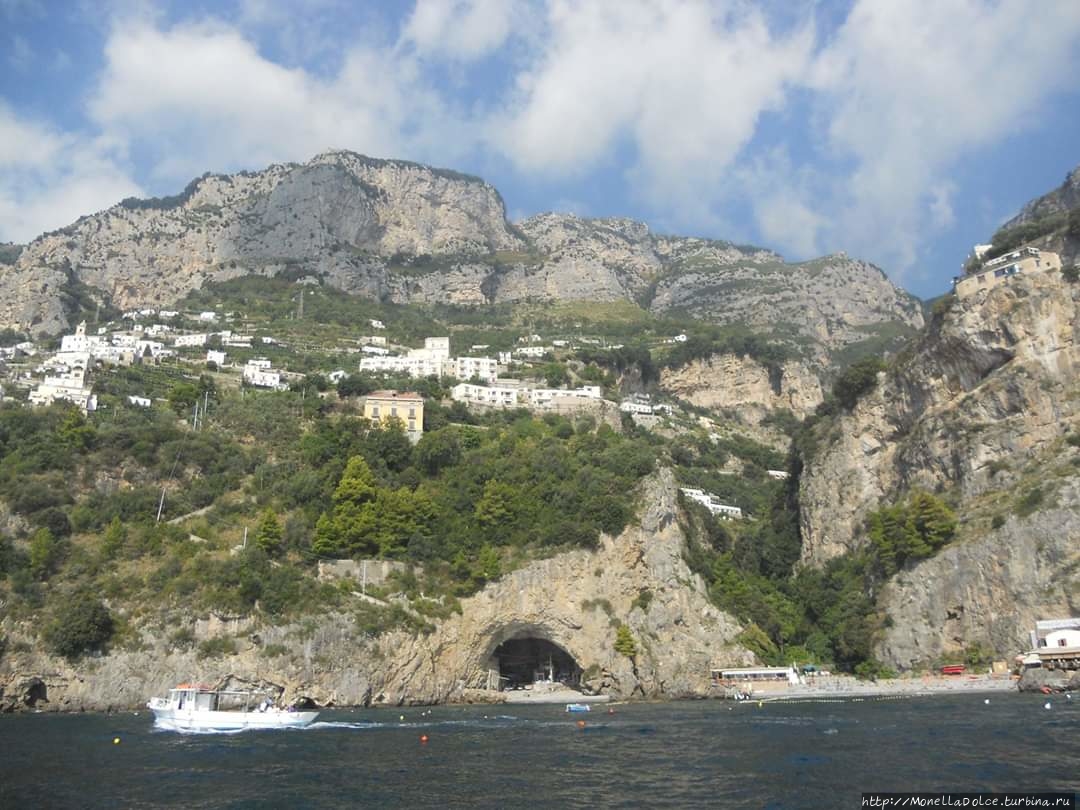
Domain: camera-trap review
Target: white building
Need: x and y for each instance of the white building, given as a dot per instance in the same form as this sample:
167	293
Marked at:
262	376
208	317
190	340
69	386
779	475
375	351
482	368
140	402
494	396
532	351
636	406
372	340
377	324
712	503
216	357
549	397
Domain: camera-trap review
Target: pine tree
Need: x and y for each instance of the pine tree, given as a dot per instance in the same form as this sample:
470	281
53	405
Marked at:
624	642
268	533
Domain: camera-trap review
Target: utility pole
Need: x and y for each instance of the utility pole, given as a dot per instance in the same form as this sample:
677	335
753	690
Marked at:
161	506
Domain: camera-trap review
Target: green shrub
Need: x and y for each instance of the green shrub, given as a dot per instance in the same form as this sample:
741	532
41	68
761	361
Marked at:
642	600
81	624
217	647
1029	502
997	521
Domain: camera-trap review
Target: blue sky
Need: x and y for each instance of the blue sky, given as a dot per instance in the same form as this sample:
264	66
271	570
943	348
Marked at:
900	132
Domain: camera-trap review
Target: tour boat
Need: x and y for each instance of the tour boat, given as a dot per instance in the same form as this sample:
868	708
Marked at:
196	707
578	707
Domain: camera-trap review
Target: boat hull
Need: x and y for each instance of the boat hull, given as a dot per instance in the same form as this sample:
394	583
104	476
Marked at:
202	721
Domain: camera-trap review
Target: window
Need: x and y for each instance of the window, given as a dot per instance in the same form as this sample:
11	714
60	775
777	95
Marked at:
375	411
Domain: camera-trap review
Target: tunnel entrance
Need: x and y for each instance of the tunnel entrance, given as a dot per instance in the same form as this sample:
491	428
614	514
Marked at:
523	662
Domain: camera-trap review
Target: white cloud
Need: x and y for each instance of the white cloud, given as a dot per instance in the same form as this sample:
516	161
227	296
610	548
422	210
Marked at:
461	29
682	84
48	179
909	88
202	97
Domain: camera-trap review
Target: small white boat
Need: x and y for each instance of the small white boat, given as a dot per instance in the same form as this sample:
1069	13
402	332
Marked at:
195	707
578	707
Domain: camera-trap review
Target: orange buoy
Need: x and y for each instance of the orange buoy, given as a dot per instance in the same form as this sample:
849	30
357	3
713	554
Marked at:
581	724
423	738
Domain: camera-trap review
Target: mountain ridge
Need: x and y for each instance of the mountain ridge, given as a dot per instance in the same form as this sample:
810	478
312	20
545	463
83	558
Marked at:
403	232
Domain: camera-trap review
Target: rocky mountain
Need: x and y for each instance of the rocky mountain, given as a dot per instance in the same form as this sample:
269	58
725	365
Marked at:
568	600
982	410
407	233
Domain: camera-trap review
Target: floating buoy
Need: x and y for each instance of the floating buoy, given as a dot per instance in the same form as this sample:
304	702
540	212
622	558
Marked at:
611	711
581	724
401	717
987	701
1046	705
1046	690
115	740
423	738
760	704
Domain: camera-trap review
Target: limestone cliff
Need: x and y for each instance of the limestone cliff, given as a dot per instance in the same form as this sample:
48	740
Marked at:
574	600
977	410
401	232
745	385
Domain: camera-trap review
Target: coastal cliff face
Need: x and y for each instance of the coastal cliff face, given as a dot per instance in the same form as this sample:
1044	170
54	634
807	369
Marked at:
410	234
574	600
746	386
978	411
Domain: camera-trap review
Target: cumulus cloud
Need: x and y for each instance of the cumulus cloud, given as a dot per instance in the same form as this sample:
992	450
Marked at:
908	88
684	84
202	97
461	29
48	178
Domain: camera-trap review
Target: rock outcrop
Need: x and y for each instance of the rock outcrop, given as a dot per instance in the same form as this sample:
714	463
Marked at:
401	232
574	600
979	411
745	385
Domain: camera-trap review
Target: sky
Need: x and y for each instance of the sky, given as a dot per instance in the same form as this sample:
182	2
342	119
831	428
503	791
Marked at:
900	132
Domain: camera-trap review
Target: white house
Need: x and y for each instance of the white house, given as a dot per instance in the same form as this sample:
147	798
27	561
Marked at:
483	368
141	402
262	376
208	317
779	475
216	357
712	503
635	406
376	351
532	351
495	396
377	324
69	386
190	340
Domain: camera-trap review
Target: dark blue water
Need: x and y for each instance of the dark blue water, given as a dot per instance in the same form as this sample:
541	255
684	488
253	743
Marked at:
694	754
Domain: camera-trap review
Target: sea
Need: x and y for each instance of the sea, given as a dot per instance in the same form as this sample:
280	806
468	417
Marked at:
678	754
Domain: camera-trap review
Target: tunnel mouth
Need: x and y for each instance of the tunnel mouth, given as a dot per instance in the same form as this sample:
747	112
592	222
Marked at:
531	660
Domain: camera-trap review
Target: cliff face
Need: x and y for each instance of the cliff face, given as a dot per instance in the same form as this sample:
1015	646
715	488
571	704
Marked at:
574	600
978	411
745	385
406	233
340	216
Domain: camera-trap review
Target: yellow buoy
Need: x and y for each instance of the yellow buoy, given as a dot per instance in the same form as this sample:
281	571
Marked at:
116	741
